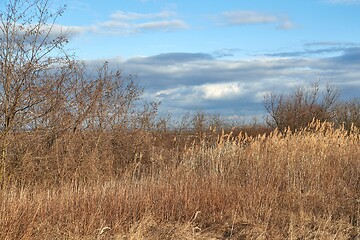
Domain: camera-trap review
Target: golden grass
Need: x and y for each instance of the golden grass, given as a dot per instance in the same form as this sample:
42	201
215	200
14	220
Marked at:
302	185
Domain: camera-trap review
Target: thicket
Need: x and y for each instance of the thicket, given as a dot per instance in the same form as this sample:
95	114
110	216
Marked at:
297	109
83	157
45	93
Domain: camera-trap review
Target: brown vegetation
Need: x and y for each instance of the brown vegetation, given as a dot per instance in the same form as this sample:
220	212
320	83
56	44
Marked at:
297	109
302	185
82	157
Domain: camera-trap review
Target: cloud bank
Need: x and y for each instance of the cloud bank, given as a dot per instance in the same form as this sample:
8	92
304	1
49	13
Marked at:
200	81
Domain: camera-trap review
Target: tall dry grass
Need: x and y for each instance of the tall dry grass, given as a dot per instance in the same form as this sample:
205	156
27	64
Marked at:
290	185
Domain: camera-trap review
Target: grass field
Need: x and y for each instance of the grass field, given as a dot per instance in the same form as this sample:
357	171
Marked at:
290	185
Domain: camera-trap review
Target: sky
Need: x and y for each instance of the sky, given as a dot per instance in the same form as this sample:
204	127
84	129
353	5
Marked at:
220	56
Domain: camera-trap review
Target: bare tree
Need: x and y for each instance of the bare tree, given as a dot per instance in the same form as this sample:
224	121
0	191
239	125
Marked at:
31	49
44	89
300	107
102	100
348	113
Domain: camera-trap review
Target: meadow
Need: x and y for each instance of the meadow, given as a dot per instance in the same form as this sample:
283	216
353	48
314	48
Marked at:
166	185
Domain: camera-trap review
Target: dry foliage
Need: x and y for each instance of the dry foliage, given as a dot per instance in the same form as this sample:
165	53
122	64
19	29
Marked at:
297	109
117	185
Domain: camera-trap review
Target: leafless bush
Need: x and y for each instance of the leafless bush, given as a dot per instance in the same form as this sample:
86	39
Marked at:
348	113
300	107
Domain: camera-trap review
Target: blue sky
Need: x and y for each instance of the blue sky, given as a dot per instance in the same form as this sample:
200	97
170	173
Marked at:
220	56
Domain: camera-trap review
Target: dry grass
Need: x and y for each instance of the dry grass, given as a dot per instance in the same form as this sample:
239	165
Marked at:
303	185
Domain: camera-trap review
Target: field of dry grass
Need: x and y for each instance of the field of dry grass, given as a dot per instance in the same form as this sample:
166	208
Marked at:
302	185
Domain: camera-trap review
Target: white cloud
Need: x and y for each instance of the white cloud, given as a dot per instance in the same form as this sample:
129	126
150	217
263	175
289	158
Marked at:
168	25
247	17
126	23
49	32
120	15
242	17
259	96
122	23
220	91
285	25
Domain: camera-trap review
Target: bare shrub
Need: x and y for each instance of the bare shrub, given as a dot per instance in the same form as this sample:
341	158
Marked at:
348	113
297	109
